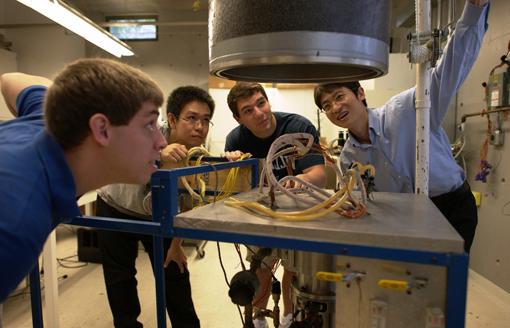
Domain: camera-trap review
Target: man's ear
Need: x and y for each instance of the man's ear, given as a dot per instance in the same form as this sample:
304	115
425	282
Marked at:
172	121
100	128
237	118
361	94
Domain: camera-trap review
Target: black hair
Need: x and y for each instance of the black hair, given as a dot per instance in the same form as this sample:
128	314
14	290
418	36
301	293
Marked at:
242	90
321	89
182	96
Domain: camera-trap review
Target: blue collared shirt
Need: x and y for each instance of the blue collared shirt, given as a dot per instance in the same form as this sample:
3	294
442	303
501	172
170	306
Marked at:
37	189
392	127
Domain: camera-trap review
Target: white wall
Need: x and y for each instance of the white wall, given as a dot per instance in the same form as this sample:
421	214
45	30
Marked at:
223	121
7	64
282	100
174	60
489	254
401	76
46	49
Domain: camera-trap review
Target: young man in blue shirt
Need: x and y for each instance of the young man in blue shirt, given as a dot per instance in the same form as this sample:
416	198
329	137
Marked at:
70	136
385	136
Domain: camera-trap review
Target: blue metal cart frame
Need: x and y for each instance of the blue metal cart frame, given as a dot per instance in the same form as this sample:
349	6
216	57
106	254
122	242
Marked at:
165	191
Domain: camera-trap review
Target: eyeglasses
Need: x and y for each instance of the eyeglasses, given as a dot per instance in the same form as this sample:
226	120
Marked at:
337	99
194	121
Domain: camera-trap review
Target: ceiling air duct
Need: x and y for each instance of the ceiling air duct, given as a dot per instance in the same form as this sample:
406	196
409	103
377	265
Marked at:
299	41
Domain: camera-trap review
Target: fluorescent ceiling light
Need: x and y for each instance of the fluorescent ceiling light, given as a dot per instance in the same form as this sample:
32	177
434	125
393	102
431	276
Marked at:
72	20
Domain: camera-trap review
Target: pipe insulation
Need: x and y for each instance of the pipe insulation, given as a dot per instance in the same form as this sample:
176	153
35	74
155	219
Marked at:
423	23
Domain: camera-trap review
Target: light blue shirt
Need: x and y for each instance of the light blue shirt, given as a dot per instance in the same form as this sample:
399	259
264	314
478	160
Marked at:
392	127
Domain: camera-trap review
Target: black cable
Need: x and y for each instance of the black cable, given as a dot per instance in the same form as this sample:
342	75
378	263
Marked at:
240	314
240	256
66	259
226	279
26	290
221	263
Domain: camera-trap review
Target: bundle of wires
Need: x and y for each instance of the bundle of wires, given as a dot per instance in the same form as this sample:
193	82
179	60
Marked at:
198	152
342	201
224	191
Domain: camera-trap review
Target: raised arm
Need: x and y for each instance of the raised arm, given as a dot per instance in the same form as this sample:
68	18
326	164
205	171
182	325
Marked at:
459	56
13	83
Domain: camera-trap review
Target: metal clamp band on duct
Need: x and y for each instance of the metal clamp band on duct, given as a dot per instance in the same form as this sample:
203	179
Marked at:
299	41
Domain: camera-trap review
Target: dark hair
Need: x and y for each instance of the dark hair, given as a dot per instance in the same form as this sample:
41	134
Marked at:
90	86
242	90
321	89
182	96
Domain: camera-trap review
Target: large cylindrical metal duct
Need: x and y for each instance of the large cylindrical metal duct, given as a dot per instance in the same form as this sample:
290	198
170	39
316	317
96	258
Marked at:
298	41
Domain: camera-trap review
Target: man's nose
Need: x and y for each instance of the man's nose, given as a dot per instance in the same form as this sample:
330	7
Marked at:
258	111
160	141
337	105
199	124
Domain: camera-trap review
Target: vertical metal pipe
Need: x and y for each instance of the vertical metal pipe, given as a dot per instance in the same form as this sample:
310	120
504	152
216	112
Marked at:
451	16
35	297
422	104
51	281
162	213
159	277
456	290
439	14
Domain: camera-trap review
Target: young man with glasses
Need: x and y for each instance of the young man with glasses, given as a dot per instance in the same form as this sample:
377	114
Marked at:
189	113
258	128
385	136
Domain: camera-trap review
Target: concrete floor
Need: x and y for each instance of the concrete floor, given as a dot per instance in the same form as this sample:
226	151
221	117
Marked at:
83	303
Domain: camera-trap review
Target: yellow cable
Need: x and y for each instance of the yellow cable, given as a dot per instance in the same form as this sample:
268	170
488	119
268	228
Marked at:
363	168
201	197
230	181
225	190
284	215
309	214
338	199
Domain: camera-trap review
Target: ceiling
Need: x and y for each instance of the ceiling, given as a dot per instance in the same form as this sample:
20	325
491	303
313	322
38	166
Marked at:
167	10
192	14
402	10
189	11
153	6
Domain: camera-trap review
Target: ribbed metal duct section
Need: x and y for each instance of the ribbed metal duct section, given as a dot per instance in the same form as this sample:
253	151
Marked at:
298	41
